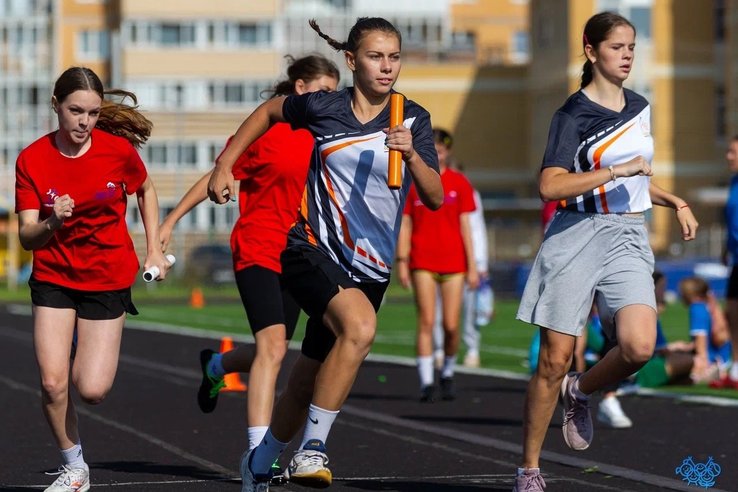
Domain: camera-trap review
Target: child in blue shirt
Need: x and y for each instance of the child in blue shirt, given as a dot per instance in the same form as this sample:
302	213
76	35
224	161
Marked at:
707	324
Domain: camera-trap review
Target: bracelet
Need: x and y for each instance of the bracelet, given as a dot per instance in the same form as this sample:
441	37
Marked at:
400	259
612	174
683	206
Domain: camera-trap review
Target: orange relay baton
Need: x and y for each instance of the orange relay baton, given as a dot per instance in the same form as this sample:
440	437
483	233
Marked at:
394	178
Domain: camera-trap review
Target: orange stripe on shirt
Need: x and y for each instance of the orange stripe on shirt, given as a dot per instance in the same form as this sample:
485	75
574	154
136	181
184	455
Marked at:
597	156
323	155
327	152
344	224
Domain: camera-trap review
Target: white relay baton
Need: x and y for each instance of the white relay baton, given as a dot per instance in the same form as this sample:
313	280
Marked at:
153	273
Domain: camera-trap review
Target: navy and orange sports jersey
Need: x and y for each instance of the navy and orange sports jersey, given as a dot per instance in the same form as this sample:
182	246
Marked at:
586	136
347	210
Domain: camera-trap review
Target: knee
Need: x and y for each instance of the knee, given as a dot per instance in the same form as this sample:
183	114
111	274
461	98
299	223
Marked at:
426	323
54	388
554	365
361	334
272	352
92	394
637	354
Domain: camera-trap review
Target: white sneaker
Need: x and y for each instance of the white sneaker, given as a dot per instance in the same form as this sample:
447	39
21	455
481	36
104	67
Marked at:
308	466
611	414
250	483
71	480
471	360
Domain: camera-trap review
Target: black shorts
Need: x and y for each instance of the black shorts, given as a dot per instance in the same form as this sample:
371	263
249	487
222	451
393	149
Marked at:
92	305
265	301
314	279
732	292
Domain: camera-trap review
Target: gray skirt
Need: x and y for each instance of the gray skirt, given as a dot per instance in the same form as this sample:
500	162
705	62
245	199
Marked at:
586	258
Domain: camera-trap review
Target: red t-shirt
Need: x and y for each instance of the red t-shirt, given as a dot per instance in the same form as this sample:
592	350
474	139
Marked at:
547	214
273	172
93	250
436	243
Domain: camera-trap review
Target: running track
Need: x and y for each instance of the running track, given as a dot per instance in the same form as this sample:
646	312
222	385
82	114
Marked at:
149	434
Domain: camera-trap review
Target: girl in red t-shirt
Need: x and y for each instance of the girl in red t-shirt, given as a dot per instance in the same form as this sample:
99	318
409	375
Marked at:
71	188
273	171
435	251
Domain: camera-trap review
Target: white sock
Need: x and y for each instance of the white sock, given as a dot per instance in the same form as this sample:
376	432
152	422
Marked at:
256	434
318	425
577	393
266	453
73	456
448	366
531	471
425	369
214	367
734	371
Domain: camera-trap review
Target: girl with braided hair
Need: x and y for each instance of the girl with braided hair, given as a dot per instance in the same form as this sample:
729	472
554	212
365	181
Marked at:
339	253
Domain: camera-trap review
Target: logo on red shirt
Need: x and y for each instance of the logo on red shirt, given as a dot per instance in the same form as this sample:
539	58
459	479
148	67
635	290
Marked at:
51	197
108	193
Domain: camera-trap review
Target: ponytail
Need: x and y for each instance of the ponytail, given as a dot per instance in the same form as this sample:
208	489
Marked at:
363	26
307	69
336	45
586	74
123	120
116	118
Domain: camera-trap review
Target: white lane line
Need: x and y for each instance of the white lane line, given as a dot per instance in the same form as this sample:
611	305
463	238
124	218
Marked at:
379	358
131	430
496	478
123	484
454	435
517	449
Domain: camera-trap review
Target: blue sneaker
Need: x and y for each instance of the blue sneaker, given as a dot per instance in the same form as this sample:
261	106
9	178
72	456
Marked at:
249	481
308	466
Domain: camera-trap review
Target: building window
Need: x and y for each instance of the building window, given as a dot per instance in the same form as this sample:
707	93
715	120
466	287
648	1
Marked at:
641	19
213	34
521	47
177	35
93	45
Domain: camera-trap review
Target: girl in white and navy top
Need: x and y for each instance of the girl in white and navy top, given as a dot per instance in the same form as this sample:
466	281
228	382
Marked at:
597	165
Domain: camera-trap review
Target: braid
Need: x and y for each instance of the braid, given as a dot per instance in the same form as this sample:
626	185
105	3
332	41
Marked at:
336	45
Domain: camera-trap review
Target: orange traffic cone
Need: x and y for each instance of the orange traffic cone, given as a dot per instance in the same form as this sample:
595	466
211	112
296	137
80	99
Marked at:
232	380
197	300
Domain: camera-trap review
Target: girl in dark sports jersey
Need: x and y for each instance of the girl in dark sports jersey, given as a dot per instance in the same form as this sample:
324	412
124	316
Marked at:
71	193
272	172
597	166
340	252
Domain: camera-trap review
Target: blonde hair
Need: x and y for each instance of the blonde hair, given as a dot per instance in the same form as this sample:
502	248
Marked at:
692	289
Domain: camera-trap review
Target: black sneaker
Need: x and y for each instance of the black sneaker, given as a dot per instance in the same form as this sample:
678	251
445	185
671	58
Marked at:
428	394
448	389
278	477
207	395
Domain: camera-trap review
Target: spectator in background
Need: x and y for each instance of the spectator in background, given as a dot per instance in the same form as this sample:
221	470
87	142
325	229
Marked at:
478	305
435	251
671	363
707	327
731	249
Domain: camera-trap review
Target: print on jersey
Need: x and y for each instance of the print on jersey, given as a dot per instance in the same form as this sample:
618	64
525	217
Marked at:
51	197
